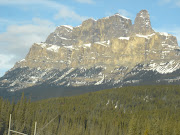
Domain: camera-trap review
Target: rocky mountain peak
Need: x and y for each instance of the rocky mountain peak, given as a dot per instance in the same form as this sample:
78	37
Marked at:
61	36
142	23
121	16
63	29
106	52
88	24
91	31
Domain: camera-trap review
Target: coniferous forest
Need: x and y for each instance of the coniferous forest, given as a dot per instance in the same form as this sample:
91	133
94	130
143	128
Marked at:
135	110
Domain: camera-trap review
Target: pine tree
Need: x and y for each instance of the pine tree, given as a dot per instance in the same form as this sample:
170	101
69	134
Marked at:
166	127
132	126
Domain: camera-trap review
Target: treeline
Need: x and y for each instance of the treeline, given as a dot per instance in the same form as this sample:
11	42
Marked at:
140	110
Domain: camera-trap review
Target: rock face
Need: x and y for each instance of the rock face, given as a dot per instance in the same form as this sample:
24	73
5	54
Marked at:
142	24
104	53
91	31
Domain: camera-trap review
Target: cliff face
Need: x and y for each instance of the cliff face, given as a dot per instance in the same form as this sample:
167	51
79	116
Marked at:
126	51
142	24
91	31
105	51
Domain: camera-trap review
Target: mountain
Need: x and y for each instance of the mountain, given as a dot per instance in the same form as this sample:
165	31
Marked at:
98	54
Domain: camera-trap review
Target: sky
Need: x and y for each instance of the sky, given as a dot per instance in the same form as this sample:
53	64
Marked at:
24	22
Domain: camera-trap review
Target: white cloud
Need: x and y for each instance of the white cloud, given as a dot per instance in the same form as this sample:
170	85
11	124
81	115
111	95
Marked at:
17	40
18	37
178	3
173	2
67	13
122	12
2	20
5	63
164	1
63	11
125	13
48	3
86	1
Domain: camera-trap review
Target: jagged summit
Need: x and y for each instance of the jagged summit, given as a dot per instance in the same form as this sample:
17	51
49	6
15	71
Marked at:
107	28
91	31
116	15
142	23
105	52
67	26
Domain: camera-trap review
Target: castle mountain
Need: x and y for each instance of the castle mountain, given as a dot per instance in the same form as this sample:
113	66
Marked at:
98	54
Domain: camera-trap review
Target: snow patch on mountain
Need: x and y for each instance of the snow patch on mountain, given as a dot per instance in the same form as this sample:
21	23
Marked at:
21	60
117	15
164	34
64	38
145	36
165	68
68	26
65	74
69	47
124	38
122	16
101	81
43	45
53	48
87	45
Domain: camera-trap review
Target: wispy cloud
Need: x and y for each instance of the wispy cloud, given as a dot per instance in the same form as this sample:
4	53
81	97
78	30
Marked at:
67	13
122	12
17	40
164	1
30	2
5	63
18	37
178	3
86	1
173	2
2	20
125	13
62	11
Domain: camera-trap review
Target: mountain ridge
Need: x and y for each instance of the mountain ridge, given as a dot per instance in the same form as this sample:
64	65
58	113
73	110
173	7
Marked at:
107	52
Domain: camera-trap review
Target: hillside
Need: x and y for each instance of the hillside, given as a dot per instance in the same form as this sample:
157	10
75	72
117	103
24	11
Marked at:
137	110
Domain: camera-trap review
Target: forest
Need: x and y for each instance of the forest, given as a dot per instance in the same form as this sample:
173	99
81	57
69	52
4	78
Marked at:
133	110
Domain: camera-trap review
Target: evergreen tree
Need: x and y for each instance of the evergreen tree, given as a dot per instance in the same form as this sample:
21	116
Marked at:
132	129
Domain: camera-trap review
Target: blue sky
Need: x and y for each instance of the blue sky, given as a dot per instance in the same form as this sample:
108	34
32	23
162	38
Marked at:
23	22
